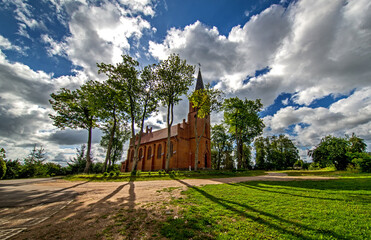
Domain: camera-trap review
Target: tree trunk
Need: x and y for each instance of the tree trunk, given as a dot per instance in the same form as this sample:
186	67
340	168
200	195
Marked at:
137	146
169	123
219	158
109	148
88	160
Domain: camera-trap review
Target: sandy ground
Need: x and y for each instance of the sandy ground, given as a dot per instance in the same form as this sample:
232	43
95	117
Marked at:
100	207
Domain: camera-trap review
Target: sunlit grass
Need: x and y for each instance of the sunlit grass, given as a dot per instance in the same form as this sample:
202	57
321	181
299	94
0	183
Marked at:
327	173
333	209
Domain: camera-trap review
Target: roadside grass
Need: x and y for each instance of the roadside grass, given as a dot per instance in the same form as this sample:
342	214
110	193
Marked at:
162	175
327	173
331	209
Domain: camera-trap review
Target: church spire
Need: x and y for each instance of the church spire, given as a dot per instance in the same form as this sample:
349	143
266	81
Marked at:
200	83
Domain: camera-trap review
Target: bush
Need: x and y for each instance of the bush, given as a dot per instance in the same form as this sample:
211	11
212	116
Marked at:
13	169
97	167
2	163
363	162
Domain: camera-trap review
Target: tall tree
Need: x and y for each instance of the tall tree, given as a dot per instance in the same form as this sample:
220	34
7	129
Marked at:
204	101
122	133
75	109
243	121
111	107
331	151
175	77
137	95
220	140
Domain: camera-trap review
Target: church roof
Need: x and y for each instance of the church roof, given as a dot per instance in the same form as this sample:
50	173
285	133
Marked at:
200	83
159	134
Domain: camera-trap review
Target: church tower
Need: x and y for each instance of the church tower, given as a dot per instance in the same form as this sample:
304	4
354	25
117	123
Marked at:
204	151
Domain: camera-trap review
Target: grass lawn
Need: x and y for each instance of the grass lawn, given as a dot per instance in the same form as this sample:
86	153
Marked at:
333	209
161	175
327	173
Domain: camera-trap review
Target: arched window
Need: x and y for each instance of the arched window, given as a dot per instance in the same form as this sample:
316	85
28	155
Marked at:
140	154
159	151
171	149
149	153
132	156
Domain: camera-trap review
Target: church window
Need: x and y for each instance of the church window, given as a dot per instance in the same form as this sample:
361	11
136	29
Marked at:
140	154
159	151
149	153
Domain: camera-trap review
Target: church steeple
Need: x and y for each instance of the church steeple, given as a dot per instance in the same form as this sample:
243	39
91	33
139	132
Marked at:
199	83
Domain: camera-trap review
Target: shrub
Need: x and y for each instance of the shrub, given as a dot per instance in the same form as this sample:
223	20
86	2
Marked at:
13	169
361	161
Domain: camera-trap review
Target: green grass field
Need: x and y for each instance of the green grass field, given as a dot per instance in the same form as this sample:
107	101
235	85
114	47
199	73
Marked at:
148	176
333	209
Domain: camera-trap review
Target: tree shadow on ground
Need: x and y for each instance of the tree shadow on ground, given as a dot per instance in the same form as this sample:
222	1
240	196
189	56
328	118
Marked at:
230	205
112	216
308	185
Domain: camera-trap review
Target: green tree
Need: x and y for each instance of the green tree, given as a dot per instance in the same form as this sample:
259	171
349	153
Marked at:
220	140
275	152
77	164
175	77
138	96
356	144
242	118
76	109
260	153
204	101
33	163
2	163
13	169
331	151
122	133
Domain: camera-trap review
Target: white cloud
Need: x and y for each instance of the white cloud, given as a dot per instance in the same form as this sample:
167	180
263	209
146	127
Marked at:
100	33
313	49
348	115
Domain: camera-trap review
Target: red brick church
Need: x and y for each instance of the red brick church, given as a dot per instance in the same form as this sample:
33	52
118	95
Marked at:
152	151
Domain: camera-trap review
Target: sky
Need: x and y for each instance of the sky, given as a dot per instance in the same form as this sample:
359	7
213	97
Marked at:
309	61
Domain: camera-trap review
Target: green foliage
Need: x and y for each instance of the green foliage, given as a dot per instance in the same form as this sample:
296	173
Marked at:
361	161
13	169
276	153
78	163
175	77
76	109
2	163
222	144
337	151
244	123
121	135
130	98
274	210
33	164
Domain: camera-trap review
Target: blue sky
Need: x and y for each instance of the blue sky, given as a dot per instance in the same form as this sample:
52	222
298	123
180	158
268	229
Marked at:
308	61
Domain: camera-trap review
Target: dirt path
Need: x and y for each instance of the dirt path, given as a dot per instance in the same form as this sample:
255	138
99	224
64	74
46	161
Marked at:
98	205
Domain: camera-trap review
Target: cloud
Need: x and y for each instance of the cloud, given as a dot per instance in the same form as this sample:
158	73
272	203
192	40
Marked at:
346	116
313	49
74	137
100	33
